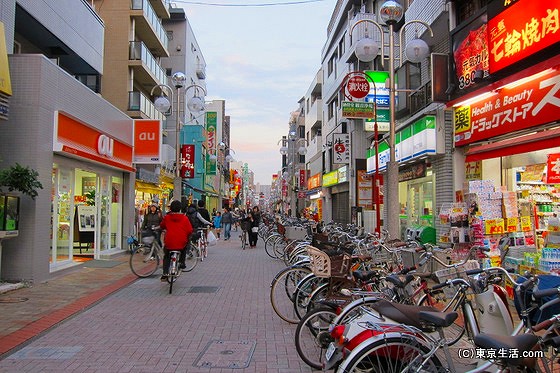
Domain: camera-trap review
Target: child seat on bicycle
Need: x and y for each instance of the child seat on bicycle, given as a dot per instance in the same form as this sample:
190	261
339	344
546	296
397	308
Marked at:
177	229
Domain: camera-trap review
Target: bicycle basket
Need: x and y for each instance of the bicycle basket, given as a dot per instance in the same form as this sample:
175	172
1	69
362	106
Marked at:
323	265
456	272
148	240
537	315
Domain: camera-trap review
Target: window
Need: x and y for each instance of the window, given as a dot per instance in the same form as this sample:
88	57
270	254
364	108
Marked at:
331	64
468	8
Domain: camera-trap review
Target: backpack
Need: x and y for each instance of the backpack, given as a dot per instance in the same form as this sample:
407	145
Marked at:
191	214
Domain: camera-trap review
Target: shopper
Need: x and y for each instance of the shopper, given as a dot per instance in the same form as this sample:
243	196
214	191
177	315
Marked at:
227	219
254	231
217	221
152	218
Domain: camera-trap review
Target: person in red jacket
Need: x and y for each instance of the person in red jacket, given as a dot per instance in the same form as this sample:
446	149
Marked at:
177	229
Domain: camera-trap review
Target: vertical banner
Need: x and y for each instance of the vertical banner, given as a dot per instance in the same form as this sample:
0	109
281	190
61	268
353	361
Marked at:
302	179
147	141
187	164
341	148
553	169
211	125
365	190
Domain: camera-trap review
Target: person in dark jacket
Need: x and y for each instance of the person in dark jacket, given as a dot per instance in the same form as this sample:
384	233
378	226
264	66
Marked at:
253	217
177	229
227	220
152	218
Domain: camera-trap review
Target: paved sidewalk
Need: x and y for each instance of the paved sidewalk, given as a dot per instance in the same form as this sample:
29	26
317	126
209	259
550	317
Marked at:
107	320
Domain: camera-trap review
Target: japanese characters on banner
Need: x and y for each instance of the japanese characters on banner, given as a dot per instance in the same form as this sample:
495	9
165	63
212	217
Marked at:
521	30
470	52
341	148
211	125
365	190
187	161
510	109
302	181
553	169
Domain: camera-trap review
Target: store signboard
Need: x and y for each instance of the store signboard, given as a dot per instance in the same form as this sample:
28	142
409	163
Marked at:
302	178
147	141
416	140
211	125
341	148
5	82
78	139
314	182
330	178
357	110
187	161
365	190
523	29
553	169
379	94
531	103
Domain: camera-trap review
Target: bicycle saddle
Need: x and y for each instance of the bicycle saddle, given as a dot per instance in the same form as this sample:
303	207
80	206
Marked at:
365	275
407	314
395	280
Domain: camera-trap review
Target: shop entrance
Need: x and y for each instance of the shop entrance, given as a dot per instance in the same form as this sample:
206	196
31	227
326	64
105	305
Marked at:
86	214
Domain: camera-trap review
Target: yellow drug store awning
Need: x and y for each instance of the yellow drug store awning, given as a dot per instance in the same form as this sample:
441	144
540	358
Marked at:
144	187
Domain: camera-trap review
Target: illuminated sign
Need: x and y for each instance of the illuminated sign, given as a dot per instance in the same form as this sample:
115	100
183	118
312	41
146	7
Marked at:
330	178
526	105
521	30
470	54
187	161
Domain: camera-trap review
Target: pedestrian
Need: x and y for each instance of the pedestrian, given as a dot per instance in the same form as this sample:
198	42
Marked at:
227	219
217	221
152	218
177	229
236	218
253	219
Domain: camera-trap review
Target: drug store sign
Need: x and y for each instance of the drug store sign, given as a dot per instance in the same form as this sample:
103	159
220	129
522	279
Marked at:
526	105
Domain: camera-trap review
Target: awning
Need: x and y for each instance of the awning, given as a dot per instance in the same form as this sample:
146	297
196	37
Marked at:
147	187
517	145
185	184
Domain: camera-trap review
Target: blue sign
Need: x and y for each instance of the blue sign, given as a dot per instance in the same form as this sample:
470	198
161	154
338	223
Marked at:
380	100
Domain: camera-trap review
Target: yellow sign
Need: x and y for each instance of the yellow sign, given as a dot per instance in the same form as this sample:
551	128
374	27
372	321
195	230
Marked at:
526	224
511	224
494	226
5	83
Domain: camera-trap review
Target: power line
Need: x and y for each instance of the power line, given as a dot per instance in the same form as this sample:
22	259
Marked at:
248	5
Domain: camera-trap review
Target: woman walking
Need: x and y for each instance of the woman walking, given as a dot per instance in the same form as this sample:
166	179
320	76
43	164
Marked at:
227	219
254	218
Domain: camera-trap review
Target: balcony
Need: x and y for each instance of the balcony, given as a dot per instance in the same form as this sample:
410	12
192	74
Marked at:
149	27
140	106
161	7
200	71
147	70
315	114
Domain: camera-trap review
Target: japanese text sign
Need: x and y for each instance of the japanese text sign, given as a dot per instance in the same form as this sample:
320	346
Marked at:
553	169
187	161
521	30
341	148
530	104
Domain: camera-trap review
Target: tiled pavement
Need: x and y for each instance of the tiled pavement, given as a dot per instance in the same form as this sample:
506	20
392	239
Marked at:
107	320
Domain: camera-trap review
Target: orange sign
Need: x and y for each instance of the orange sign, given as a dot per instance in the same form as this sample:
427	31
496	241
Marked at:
147	141
74	137
314	181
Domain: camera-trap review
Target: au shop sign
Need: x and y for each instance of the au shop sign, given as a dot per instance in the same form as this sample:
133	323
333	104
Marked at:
526	105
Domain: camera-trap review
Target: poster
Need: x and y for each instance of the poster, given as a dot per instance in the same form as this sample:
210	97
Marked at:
86	218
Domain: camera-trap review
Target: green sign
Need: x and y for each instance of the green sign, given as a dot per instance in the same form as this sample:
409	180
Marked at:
351	109
330	178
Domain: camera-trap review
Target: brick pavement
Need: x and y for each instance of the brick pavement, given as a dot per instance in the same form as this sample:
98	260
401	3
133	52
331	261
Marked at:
106	320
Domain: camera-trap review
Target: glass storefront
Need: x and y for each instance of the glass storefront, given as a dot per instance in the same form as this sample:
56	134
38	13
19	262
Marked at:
417	202
86	213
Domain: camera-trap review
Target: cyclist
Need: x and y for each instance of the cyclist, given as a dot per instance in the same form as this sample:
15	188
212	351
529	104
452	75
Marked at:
152	218
177	229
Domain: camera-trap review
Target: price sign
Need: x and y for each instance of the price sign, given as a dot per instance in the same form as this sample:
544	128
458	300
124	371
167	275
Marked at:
526	224
494	226
511	224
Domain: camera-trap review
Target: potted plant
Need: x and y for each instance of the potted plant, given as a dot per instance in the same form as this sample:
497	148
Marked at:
21	179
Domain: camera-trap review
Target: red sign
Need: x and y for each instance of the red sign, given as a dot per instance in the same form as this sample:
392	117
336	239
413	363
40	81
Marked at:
302	178
187	161
471	55
529	104
553	169
522	30
357	86
147	141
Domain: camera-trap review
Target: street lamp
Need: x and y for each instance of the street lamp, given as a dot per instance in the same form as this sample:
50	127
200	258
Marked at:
391	13
164	105
289	146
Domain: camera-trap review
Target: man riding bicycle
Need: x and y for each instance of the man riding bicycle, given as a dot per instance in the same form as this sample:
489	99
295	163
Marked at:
177	229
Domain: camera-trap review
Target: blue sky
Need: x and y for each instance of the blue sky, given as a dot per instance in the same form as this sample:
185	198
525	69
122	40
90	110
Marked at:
261	60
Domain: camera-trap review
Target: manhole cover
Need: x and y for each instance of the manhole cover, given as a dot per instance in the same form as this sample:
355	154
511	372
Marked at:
203	289
226	354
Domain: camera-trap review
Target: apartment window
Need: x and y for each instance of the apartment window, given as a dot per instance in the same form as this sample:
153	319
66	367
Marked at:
341	47
331	64
468	8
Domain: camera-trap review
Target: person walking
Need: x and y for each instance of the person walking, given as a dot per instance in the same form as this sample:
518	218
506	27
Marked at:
254	231
217	221
227	219
177	229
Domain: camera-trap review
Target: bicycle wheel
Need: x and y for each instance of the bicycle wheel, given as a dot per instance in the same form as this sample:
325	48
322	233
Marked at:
390	355
144	261
312	336
282	289
437	299
191	258
172	275
303	291
268	247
